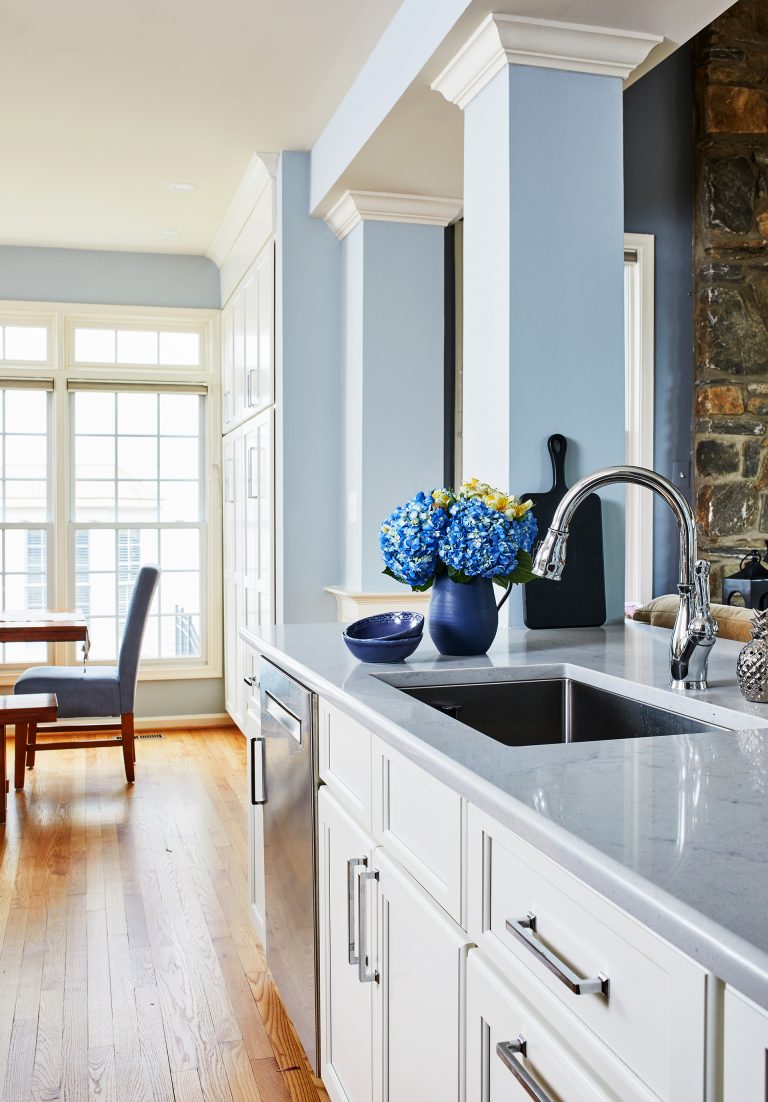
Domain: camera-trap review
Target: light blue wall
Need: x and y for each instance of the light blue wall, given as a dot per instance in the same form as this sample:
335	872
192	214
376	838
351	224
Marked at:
393	381
309	422
559	235
108	278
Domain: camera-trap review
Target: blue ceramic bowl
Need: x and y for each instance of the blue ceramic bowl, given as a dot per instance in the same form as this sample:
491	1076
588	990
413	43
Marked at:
387	625
382	650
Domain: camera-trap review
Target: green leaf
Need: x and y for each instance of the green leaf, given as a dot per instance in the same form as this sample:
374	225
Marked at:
523	572
423	588
391	574
458	576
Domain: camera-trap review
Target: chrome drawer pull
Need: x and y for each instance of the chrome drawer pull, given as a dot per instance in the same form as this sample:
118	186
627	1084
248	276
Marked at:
524	930
506	1052
352	865
362	917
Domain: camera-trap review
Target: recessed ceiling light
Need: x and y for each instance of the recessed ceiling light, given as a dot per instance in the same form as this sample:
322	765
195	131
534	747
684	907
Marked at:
182	187
170	233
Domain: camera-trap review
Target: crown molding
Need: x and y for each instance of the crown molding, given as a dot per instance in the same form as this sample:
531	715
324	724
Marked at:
261	171
515	40
384	206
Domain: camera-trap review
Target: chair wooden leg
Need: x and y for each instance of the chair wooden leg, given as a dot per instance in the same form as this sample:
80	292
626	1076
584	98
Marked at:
19	755
31	742
129	753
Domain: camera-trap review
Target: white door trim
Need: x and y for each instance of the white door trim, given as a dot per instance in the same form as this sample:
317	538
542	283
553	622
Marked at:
639	361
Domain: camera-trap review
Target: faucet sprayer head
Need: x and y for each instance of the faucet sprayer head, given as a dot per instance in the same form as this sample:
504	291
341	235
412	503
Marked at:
549	560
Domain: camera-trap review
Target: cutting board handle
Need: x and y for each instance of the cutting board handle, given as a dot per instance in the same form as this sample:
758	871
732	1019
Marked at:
558	446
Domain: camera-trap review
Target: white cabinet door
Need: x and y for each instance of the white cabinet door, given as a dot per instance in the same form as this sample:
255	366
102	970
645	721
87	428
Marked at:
259	306
258	506
346	1039
745	1055
421	961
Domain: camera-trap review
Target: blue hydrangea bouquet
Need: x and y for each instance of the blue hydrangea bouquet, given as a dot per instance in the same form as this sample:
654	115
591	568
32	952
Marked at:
477	532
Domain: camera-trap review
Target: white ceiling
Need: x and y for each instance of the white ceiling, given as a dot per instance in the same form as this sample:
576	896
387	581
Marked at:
104	104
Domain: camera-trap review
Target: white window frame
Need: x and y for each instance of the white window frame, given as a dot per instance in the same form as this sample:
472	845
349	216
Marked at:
62	319
639	420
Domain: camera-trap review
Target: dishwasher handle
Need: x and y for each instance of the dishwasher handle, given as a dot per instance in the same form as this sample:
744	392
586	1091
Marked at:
285	719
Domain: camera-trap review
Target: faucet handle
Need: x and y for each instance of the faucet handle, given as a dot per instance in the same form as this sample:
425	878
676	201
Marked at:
701	584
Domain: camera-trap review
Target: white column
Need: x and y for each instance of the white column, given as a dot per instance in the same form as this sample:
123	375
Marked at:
392	292
543	254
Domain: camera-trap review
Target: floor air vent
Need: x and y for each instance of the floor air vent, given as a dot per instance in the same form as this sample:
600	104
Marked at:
147	736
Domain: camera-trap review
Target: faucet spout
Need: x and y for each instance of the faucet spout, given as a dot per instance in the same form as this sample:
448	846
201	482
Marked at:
695	628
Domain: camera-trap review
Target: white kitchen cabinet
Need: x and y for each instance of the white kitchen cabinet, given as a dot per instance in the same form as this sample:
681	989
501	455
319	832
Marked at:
532	917
249	575
346	1033
248	342
745	1050
418	1013
344	760
512	1053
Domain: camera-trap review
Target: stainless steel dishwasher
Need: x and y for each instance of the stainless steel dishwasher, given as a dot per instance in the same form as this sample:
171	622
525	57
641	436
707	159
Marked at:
289	796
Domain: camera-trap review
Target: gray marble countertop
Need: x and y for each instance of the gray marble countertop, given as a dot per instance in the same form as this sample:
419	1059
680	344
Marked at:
674	828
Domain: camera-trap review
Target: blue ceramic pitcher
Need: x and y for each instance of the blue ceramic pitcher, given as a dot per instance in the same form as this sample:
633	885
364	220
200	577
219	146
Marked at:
463	616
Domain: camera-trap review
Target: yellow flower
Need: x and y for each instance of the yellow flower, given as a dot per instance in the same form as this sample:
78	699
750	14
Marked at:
441	499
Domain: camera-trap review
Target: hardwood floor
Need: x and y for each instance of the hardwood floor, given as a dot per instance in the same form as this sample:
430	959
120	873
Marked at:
129	971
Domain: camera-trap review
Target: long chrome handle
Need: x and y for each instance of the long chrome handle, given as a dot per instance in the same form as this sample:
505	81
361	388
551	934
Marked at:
362	917
252	493
258	744
249	380
524	929
507	1051
352	865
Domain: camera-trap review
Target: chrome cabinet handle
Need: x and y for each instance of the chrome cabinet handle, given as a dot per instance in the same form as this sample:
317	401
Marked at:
352	865
249	380
362	917
524	929
252	493
248	680
507	1051
258	745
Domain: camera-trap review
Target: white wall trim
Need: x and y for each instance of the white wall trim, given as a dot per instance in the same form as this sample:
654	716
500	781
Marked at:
261	171
640	359
355	207
543	43
352	605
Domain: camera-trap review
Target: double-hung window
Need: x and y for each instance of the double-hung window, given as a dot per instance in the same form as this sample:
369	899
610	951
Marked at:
108	460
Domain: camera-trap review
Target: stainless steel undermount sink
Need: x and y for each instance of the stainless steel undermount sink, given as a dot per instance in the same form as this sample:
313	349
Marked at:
552	710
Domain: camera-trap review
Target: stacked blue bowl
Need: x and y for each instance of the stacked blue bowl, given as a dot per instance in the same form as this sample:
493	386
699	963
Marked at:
386	637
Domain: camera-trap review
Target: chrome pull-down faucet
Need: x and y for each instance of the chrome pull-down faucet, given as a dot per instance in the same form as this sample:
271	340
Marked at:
695	628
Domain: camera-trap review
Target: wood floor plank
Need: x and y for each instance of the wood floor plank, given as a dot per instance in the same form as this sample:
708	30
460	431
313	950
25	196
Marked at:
129	968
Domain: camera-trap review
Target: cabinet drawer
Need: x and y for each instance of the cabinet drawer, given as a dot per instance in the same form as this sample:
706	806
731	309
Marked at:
745	1052
654	1015
420	821
573	1067
344	761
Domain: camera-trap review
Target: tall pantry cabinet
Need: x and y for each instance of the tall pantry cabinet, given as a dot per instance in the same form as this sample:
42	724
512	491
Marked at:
248	416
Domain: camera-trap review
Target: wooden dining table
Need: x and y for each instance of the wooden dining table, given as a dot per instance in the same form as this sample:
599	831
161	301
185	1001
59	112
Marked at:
43	625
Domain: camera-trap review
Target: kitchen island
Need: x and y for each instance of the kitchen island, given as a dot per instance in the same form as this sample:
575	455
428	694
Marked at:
671	829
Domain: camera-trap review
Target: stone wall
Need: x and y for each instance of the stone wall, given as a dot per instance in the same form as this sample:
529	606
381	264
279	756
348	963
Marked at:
731	285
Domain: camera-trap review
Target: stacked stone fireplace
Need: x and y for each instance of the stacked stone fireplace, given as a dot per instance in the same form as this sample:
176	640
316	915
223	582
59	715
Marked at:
731	285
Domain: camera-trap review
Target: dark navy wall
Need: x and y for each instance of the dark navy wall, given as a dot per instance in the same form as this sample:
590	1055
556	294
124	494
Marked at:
658	199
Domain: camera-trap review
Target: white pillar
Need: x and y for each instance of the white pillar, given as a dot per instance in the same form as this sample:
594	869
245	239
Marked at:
392	292
543	254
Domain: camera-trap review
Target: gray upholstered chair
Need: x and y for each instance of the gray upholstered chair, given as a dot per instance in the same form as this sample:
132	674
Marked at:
93	692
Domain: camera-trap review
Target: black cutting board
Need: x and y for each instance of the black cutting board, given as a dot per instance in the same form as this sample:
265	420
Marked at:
578	599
